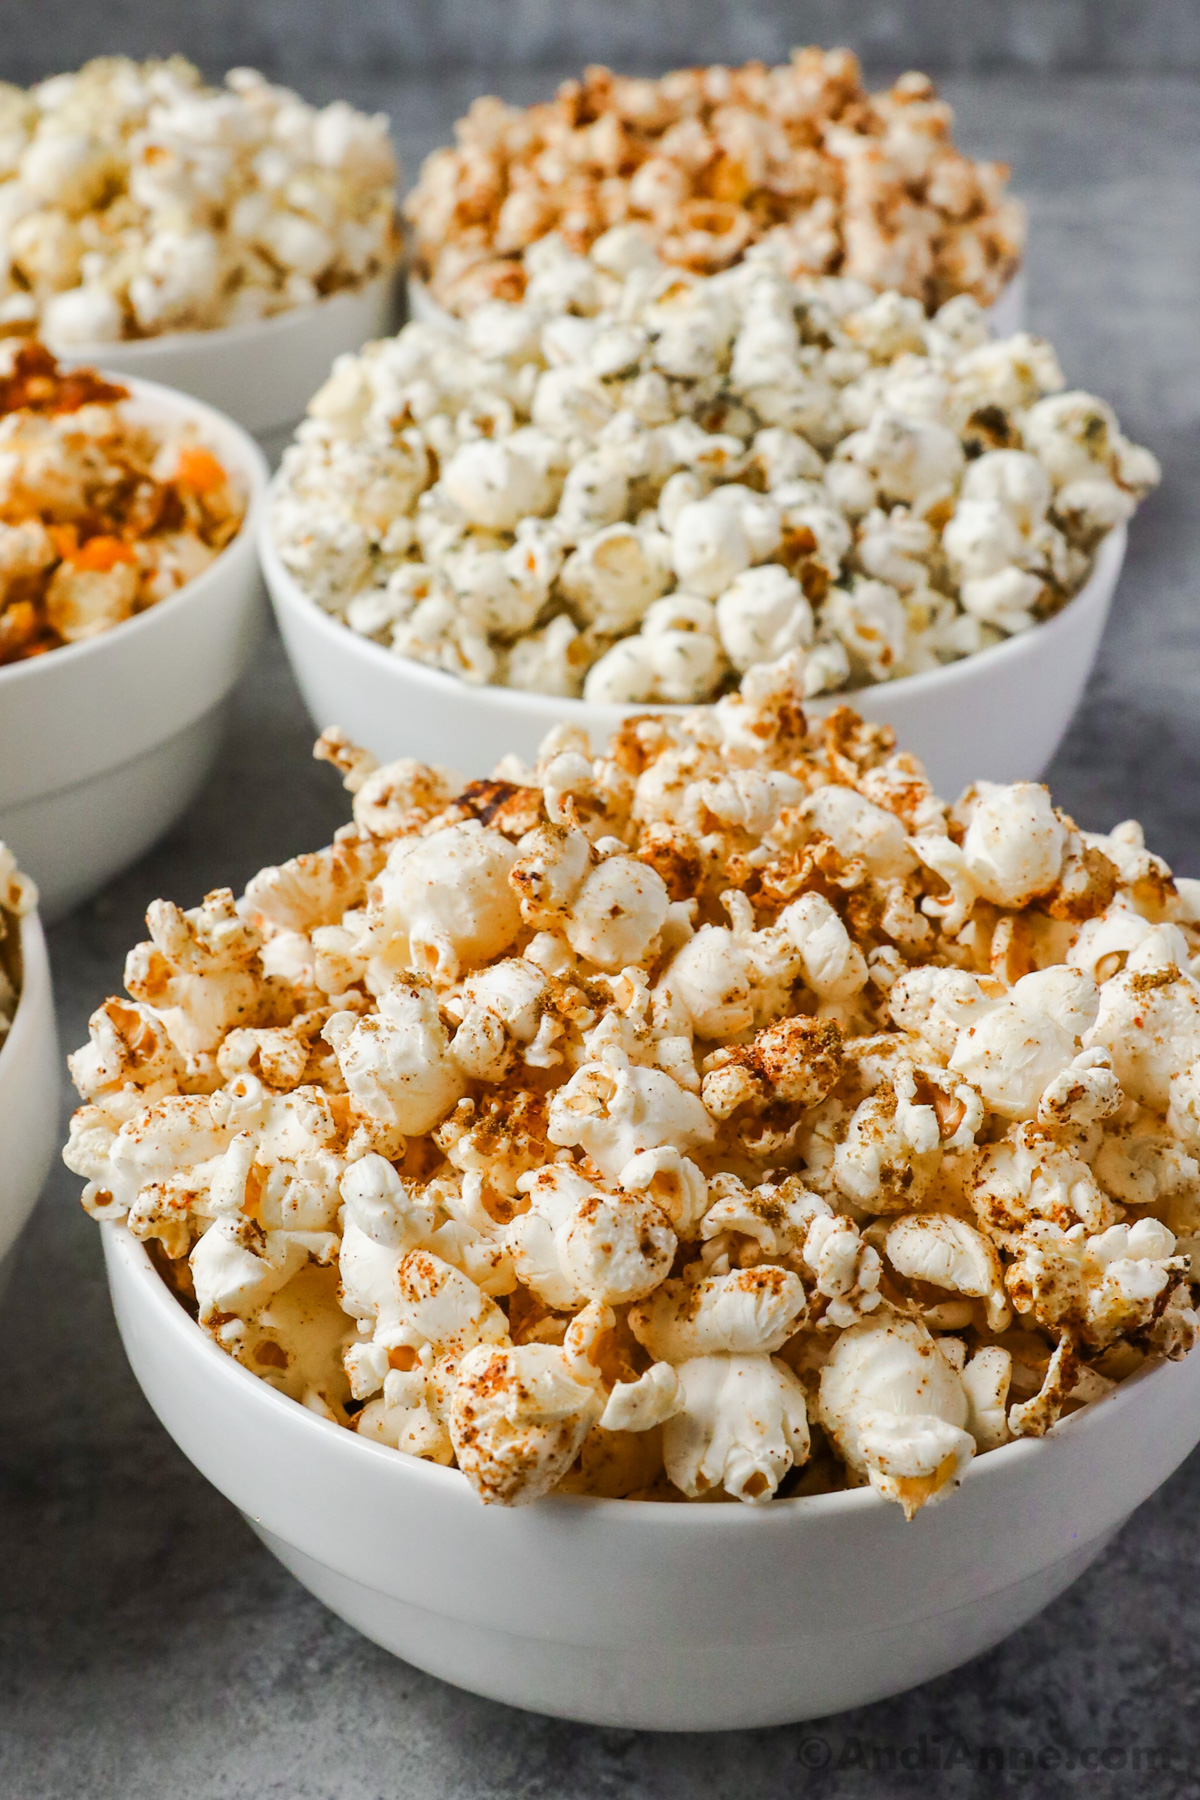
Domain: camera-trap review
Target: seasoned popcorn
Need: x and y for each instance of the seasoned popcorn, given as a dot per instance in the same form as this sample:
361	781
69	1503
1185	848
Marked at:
712	161
18	896
135	200
103	512
639	484
666	1122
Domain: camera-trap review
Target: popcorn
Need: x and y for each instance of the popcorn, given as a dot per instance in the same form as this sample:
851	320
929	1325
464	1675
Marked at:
741	1426
519	1420
443	1309
102	512
577	1244
399	1071
1014	844
1027	1176
237	1267
441	893
642	1404
615	575
614	1113
1148	1019
134	200
1026	1040
617	913
897	1411
986	1379
761	615
705	163
750	1312
1100	1287
637	485
950	1254
600	1127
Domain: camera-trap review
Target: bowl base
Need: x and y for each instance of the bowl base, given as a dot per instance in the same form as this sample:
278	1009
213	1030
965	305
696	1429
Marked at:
701	1687
75	840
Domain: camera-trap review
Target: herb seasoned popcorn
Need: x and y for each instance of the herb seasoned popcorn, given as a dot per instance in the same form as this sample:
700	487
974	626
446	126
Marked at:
134	200
638	483
711	161
104	511
719	1116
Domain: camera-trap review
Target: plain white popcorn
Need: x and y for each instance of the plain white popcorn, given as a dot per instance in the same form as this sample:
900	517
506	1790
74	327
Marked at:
135	200
18	896
640	483
719	1116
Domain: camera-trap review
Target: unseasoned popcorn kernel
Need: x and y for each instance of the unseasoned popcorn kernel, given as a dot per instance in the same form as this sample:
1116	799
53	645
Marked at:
134	200
637	485
721	1117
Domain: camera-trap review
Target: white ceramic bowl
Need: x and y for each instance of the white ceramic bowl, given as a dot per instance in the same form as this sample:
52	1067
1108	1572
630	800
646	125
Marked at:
996	716
1006	313
262	374
28	1091
666	1617
103	743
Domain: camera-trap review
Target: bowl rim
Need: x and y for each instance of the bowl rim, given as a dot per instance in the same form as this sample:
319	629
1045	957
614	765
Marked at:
222	337
173	1317
251	464
286	591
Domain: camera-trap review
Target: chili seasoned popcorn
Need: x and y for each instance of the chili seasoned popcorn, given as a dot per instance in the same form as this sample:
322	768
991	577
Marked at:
18	896
102	512
719	1116
638	483
135	200
711	161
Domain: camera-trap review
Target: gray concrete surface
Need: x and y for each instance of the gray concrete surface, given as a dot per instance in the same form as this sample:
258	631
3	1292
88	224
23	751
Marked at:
294	36
150	1649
